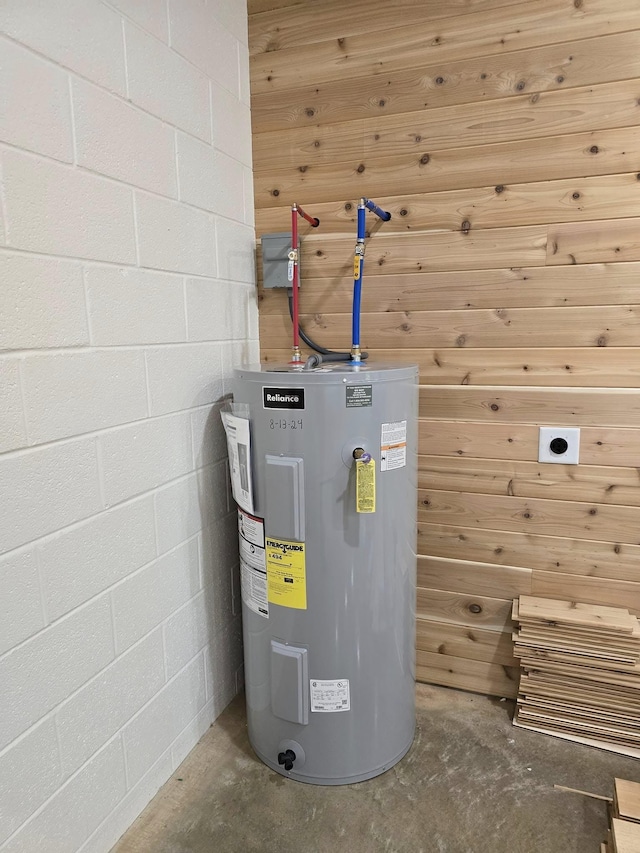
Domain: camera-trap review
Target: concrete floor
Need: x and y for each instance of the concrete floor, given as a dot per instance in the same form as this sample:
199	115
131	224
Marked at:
471	783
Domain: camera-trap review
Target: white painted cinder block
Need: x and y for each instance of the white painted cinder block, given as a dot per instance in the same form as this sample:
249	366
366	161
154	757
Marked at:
93	555
192	733
71	393
231	124
234	354
162	720
218	309
236	251
40	673
164	84
41	303
236	592
78	808
84	35
214	493
175	237
210	179
164	586
184	377
187	632
58	210
3	231
90	717
253	351
219	544
178	512
129	807
209	439
35	112
200	36
223	659
219	557
30	772
232	16
127	298
133	306
21	613
249	206
245	81
144	455
46	489
151	15
13	433
116	139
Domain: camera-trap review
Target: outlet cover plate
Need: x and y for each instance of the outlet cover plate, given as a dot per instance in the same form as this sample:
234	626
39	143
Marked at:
570	434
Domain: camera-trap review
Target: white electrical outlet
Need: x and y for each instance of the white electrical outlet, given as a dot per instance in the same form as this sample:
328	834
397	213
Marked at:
560	445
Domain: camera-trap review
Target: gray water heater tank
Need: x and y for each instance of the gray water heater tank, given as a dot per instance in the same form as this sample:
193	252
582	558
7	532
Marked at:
329	591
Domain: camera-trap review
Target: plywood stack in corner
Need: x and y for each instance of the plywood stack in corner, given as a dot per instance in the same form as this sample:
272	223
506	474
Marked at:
580	672
624	831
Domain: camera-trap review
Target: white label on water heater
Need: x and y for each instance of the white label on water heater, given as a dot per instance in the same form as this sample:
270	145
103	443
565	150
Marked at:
393	446
330	696
253	563
239	447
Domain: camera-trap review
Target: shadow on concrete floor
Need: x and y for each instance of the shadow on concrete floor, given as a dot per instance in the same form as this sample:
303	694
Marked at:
471	783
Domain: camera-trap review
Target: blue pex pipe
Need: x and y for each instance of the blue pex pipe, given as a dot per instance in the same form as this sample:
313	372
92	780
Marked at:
361	221
373	207
358	265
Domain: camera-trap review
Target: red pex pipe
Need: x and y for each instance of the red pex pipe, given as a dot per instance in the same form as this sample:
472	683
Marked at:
296	276
312	220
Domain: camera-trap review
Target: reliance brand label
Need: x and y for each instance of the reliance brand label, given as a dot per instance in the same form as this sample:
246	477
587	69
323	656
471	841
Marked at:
283	398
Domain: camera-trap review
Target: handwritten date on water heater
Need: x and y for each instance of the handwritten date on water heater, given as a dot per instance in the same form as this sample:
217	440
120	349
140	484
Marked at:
284	423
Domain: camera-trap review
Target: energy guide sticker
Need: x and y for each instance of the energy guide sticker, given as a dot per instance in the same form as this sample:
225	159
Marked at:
393	446
253	563
286	573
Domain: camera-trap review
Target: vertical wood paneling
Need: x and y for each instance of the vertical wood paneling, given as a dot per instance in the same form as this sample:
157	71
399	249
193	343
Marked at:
505	139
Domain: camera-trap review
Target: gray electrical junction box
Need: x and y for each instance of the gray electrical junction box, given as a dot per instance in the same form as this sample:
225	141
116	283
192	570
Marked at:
275	259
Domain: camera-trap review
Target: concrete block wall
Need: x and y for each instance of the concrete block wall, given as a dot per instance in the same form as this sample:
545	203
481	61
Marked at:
127	296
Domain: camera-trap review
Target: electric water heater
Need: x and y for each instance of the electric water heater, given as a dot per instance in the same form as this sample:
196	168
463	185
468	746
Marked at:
325	473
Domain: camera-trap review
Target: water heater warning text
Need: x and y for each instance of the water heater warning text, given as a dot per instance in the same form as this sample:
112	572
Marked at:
365	486
393	446
253	564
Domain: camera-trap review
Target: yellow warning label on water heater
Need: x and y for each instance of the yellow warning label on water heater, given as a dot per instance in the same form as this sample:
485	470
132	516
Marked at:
286	573
365	486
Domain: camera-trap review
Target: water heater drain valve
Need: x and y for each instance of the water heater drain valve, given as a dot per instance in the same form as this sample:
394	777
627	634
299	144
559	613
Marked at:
287	758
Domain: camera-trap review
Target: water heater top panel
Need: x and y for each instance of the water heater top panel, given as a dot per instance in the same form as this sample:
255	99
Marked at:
328	374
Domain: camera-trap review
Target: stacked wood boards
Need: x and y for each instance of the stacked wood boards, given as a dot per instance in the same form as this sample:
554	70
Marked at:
504	137
626	800
580	672
624	830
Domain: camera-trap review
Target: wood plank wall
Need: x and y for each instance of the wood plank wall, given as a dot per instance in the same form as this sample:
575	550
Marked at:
504	137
